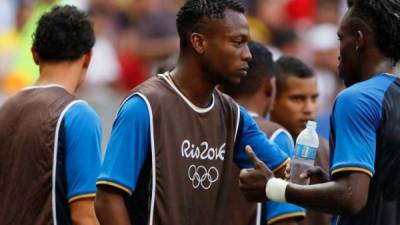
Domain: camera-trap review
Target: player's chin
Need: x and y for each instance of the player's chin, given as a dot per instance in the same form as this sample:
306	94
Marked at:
301	125
233	80
237	77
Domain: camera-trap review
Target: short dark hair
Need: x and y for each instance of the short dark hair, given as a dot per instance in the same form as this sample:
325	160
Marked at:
261	66
382	18
290	66
284	37
194	15
64	33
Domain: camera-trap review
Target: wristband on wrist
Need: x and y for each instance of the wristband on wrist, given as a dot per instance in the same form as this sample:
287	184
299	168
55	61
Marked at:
276	189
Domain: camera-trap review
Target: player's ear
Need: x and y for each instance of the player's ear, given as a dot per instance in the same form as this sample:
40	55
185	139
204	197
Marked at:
360	40
35	56
87	58
198	42
269	87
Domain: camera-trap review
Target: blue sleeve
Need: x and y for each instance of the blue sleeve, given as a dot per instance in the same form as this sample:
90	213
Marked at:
275	211
356	117
82	150
266	150
128	146
284	140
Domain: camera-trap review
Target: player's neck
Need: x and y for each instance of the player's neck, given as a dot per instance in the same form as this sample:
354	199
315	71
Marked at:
65	74
193	84
375	64
252	105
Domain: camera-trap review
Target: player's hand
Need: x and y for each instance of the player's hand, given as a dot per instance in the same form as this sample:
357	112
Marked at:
252	181
316	174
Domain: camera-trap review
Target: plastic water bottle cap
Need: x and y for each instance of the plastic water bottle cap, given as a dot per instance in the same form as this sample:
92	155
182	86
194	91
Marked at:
311	124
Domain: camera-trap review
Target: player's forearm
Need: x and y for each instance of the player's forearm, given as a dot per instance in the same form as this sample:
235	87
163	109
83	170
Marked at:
289	221
343	196
85	220
82	212
110	208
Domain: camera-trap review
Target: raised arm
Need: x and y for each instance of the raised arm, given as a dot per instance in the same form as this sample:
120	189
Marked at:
346	194
268	152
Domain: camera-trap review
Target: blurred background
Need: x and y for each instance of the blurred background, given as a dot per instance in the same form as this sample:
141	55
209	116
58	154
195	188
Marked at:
137	38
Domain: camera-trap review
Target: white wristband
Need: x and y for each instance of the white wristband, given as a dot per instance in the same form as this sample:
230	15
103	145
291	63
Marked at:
276	189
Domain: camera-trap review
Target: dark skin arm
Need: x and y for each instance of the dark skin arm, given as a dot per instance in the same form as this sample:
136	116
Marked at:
290	221
82	212
110	206
347	194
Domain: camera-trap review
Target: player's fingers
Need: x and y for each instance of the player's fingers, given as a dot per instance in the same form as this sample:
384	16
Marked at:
242	176
252	156
316	171
303	175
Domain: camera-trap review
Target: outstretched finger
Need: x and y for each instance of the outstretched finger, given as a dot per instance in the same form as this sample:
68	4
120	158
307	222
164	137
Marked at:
252	155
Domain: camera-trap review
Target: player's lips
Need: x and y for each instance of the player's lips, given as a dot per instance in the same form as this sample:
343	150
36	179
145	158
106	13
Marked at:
243	70
304	121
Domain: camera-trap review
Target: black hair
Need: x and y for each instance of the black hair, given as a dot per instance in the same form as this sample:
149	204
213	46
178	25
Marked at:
194	15
382	18
290	66
284	37
64	33
261	67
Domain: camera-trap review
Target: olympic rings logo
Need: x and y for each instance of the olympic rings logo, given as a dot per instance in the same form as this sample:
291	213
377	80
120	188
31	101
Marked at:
201	177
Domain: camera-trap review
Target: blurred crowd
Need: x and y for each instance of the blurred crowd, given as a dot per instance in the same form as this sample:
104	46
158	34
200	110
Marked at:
137	38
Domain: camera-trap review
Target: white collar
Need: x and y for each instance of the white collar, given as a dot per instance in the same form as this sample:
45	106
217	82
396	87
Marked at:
43	86
167	77
253	114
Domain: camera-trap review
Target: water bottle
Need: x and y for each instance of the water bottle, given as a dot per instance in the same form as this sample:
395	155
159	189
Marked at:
304	154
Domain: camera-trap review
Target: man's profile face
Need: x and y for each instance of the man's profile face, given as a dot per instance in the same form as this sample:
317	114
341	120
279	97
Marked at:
349	58
227	54
296	104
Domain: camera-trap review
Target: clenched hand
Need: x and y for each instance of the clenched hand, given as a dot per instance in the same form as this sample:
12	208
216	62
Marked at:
252	181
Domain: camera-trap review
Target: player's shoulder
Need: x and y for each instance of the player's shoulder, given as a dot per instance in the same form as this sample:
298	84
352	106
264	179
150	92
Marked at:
81	117
227	101
82	109
369	91
156	87
269	127
134	103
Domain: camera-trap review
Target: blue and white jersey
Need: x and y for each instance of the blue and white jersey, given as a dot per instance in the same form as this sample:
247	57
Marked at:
78	158
365	138
80	143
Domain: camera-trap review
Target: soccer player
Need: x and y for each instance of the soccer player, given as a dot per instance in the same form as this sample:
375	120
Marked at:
256	93
49	140
175	138
365	160
295	103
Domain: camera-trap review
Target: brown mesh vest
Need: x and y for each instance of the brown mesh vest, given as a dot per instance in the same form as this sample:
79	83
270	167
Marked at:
192	155
28	126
